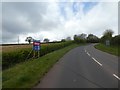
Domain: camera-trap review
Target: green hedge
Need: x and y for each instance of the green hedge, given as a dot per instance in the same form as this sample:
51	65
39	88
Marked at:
9	59
115	40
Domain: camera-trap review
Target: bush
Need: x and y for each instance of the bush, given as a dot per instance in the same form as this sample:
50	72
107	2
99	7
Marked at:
79	40
115	40
11	58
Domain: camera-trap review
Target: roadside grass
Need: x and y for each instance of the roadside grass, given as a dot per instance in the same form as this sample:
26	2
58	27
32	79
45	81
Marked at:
28	74
0	59
114	50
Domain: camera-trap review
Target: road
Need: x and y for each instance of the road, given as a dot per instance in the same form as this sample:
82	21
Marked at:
83	67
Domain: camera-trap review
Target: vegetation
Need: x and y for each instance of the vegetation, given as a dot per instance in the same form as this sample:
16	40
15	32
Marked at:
115	40
46	40
108	43
83	38
107	35
27	74
29	39
115	50
92	39
25	71
114	43
63	40
9	59
79	39
68	38
20	55
11	48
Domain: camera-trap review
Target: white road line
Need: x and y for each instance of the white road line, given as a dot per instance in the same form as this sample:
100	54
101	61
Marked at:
88	54
97	61
116	76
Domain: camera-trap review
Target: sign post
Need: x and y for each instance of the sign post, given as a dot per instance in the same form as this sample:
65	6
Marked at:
36	46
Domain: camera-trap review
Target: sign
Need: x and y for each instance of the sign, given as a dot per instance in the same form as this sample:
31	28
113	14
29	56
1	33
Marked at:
36	45
107	42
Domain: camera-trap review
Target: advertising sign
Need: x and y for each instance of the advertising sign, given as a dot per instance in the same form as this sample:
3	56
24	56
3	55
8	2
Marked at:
36	45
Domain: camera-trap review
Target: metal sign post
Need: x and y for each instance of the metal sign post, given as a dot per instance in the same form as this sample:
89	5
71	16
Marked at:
36	47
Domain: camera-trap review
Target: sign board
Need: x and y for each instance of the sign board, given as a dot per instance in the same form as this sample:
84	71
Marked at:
36	45
107	42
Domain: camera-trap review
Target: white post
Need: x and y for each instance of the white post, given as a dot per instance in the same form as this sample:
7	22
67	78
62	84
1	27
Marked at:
18	39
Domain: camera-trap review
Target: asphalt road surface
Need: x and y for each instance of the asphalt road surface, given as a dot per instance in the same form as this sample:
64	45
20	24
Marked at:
83	67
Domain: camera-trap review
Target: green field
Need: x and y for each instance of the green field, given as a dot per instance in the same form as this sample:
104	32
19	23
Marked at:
27	74
114	50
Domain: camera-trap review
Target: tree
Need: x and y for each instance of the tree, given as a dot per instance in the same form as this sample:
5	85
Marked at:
29	39
46	40
79	38
68	38
76	39
63	40
107	35
115	40
82	36
75	36
92	38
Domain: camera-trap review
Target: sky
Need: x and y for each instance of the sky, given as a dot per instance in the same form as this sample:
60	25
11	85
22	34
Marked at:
56	20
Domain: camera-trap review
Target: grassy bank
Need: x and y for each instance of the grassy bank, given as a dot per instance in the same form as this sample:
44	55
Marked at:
115	50
27	74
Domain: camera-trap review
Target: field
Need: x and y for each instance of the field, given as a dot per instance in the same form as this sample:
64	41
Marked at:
9	48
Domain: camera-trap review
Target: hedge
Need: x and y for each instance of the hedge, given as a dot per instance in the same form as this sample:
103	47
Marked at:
9	59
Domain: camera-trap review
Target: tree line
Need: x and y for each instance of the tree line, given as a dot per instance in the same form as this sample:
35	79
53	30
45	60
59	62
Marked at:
107	36
91	38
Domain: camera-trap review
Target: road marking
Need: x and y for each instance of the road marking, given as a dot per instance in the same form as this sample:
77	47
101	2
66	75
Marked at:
97	61
116	76
88	54
85	50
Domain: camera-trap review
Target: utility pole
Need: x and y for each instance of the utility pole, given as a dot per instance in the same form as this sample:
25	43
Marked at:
18	39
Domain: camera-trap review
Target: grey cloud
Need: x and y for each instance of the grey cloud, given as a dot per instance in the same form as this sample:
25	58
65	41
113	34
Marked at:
46	19
29	10
25	17
9	37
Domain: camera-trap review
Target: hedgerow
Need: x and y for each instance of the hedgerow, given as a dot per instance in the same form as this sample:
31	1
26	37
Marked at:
9	59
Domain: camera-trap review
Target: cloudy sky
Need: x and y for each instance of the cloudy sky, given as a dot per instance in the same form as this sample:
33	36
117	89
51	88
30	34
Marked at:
56	20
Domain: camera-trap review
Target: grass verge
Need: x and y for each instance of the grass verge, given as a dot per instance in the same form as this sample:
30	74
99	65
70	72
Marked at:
27	74
114	50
